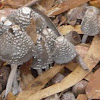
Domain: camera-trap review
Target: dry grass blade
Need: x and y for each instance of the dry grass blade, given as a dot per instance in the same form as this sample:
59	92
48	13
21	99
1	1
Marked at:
68	4
91	59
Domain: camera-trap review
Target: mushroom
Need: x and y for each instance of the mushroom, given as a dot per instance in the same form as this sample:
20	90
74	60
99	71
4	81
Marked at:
65	52
89	25
16	47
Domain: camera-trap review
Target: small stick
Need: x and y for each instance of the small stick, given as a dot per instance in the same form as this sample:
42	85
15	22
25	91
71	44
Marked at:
10	79
31	3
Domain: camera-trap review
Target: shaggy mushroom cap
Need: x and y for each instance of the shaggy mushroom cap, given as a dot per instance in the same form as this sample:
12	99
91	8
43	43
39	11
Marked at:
43	58
90	24
64	51
50	37
23	17
16	47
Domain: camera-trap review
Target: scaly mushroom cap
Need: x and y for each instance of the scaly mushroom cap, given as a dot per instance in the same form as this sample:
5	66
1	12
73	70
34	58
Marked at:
76	13
43	58
49	36
90	24
23	16
64	51
16	47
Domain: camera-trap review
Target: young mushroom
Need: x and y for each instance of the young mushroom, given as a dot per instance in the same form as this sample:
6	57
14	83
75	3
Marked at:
23	16
75	14
89	25
73	37
43	58
65	52
16	47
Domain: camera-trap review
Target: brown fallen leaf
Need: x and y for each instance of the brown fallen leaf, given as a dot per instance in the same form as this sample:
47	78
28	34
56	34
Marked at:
15	3
93	87
68	4
10	96
89	76
0	97
67	28
39	82
25	68
25	80
95	3
1	5
71	66
63	20
47	4
91	59
82	97
82	49
31	30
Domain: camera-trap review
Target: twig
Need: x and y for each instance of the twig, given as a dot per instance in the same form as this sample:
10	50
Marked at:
31	3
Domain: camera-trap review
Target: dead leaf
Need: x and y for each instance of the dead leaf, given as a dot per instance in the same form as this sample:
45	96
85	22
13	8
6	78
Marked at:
39	82
82	49
91	59
89	76
10	96
25	68
47	4
14	3
82	97
0	97
63	20
1	5
68	4
67	28
93	87
95	3
31	31
71	66
25	80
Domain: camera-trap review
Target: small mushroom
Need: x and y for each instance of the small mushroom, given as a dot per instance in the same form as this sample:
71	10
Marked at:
49	37
73	37
79	88
43	58
23	16
57	78
68	96
75	14
16	48
65	52
89	25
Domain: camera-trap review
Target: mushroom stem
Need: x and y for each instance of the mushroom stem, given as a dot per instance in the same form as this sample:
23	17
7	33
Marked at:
10	79
15	88
81	62
39	71
84	38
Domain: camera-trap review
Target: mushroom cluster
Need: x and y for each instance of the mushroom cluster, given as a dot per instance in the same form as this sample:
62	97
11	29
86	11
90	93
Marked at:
17	46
